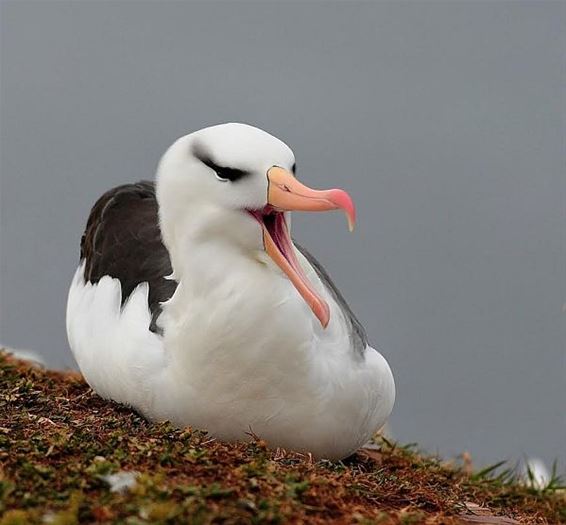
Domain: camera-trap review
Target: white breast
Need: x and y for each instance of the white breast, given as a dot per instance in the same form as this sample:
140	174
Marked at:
241	352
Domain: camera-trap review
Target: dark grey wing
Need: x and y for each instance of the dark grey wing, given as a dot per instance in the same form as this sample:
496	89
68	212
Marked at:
357	333
123	240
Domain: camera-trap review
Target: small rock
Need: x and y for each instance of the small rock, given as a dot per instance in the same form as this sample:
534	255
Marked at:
121	481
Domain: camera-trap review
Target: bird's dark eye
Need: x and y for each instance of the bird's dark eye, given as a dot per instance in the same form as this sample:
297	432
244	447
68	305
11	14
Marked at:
226	174
230	174
294	168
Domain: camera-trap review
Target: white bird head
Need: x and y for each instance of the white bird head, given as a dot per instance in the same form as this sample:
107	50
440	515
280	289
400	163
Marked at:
236	182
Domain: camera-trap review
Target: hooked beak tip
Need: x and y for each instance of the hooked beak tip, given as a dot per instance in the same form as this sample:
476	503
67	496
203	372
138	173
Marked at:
351	224
343	201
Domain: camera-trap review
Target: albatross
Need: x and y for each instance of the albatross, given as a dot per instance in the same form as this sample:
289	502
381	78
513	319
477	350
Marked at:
193	304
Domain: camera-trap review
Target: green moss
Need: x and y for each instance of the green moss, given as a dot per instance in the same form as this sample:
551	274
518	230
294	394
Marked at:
16	517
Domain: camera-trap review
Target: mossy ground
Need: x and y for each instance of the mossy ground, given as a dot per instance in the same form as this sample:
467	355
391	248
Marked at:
58	438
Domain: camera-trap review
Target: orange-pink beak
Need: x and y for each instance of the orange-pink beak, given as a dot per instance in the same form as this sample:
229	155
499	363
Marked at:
286	193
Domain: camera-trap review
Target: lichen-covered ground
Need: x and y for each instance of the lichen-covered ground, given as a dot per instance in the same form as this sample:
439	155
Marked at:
58	441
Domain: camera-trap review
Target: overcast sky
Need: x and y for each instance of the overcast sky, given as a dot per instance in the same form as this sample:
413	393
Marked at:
445	122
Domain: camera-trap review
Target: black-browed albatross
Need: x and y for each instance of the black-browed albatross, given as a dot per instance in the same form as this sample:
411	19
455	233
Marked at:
192	304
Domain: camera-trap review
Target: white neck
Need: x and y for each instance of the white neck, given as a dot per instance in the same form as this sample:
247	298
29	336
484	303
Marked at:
226	294
229	288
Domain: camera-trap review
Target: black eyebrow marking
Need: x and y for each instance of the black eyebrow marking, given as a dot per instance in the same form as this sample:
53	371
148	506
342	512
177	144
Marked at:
200	152
226	173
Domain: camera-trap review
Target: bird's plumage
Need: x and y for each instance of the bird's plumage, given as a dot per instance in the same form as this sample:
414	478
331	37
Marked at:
176	309
122	240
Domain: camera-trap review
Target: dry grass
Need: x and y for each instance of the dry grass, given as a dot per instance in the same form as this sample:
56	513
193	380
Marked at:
58	439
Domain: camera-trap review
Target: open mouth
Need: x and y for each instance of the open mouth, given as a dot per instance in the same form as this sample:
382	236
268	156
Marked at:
279	246
286	193
273	222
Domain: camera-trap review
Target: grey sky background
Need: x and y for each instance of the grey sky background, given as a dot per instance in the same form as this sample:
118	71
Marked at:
445	122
